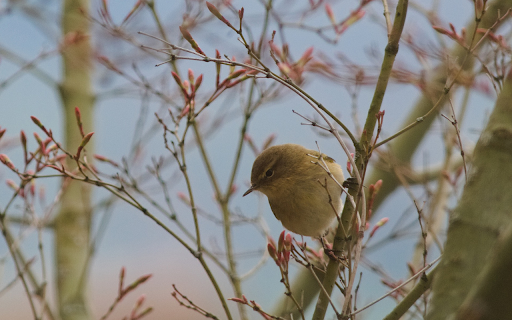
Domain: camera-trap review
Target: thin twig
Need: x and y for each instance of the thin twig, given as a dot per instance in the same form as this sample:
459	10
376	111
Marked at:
387	17
418	274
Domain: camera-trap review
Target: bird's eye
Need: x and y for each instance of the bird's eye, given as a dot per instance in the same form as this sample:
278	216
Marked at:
269	173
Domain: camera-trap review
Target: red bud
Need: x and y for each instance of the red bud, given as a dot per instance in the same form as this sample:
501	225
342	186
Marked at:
5	160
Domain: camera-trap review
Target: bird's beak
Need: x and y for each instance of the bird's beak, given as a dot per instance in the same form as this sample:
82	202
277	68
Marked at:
251	189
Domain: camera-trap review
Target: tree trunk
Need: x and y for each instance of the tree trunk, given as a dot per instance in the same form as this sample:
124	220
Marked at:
73	221
482	214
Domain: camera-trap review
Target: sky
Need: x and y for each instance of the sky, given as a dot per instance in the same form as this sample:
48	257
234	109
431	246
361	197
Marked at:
135	242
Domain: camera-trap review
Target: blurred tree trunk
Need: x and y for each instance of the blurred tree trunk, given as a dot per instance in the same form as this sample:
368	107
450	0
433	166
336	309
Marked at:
482	214
490	296
73	221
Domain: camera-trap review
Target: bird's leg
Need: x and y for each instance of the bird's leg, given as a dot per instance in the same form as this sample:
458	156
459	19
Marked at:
327	247
330	252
